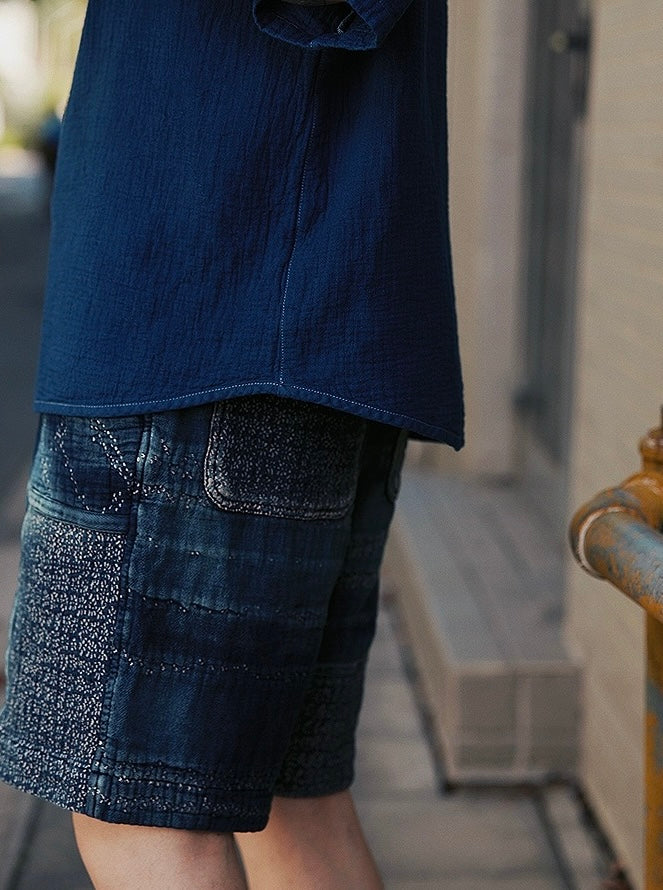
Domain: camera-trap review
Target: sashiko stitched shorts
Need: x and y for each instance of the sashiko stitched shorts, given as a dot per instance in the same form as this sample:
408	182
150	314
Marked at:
196	601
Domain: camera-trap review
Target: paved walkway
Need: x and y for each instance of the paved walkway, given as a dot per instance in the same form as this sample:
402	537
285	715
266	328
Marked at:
429	838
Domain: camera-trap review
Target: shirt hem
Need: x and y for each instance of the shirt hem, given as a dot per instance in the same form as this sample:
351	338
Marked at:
420	428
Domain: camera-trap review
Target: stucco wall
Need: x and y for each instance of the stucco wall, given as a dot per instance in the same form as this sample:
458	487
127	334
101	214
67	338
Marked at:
619	366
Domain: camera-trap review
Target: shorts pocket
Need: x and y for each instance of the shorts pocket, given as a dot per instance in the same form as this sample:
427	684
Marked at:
279	457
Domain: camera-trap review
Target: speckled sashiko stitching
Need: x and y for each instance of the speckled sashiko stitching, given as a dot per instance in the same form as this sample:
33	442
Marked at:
281	458
69	591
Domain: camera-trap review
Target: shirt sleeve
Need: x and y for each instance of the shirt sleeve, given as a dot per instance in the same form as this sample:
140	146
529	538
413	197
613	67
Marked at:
354	25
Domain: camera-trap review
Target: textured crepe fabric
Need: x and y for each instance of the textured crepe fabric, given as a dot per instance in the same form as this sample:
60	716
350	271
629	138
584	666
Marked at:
253	198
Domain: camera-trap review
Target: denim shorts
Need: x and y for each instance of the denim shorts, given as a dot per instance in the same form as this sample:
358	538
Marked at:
196	601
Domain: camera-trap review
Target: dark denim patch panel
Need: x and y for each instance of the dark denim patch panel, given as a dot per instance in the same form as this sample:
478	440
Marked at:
196	601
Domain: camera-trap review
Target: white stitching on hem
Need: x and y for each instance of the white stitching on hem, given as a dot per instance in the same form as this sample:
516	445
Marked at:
186	395
236	386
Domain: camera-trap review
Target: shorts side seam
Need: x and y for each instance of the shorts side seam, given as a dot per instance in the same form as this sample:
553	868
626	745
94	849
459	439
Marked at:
123	615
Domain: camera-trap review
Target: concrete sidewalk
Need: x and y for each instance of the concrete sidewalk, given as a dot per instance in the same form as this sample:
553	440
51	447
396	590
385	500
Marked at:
429	838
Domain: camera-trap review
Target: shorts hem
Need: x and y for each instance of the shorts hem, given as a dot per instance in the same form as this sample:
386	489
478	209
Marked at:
176	808
322	789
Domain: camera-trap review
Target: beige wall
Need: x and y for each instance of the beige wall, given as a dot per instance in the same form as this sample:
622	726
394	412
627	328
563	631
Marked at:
61	22
487	51
38	46
20	77
619	382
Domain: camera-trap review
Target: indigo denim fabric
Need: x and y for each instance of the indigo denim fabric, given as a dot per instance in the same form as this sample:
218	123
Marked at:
253	198
196	601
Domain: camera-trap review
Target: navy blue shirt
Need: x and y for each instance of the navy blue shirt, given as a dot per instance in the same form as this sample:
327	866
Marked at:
251	199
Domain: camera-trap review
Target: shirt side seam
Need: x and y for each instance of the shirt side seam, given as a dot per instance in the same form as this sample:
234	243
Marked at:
300	205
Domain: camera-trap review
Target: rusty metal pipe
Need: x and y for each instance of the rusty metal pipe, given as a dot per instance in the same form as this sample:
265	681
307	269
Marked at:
617	536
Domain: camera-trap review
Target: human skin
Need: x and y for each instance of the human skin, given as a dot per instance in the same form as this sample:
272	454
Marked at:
131	857
308	844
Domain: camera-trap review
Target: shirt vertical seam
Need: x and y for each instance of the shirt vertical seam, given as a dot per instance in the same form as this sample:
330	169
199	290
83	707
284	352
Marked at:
300	205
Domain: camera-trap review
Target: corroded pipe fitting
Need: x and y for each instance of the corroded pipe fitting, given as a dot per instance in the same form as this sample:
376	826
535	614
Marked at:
617	534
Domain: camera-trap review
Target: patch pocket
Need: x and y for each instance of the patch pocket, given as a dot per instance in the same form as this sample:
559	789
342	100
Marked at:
273	456
86	467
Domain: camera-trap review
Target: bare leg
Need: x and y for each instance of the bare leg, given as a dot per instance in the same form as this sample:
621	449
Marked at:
310	844
133	857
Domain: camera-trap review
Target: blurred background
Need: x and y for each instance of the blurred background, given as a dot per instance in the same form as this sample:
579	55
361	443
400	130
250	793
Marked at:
530	672
38	44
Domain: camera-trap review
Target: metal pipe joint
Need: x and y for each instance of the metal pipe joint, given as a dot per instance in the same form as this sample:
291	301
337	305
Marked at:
617	534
